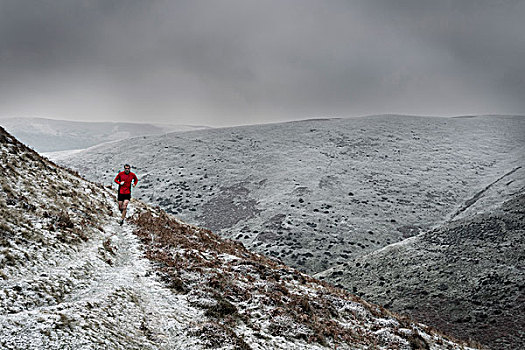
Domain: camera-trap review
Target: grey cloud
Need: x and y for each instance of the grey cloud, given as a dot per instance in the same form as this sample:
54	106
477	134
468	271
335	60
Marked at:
483	39
235	62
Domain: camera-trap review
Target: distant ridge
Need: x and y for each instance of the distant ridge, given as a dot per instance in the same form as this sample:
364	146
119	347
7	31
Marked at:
490	115
51	135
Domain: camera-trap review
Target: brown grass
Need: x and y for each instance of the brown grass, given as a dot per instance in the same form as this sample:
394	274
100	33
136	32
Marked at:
179	248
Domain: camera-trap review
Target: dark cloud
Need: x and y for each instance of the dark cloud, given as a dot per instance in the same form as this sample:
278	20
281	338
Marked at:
234	62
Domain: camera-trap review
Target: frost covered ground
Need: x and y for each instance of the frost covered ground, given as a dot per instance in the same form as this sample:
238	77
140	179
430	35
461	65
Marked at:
318	193
466	277
331	196
94	298
70	277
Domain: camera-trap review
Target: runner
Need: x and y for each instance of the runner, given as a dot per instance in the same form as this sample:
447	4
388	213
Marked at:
124	179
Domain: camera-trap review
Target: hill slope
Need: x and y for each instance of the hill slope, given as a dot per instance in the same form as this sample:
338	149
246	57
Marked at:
466	277
70	277
318	193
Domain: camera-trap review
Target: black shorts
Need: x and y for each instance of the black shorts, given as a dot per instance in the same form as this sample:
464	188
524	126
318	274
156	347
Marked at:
123	197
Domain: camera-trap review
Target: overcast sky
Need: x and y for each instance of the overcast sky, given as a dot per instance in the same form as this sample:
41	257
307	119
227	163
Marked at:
222	63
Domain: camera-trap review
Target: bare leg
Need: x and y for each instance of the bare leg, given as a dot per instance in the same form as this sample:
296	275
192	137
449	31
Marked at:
120	206
124	208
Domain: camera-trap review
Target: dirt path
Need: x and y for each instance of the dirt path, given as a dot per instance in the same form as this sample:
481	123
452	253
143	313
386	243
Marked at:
105	286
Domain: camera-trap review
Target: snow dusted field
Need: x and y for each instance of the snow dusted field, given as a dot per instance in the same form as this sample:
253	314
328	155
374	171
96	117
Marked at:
319	193
71	277
336	197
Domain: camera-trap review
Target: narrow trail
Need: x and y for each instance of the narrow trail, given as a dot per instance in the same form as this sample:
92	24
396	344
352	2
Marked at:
468	203
105	276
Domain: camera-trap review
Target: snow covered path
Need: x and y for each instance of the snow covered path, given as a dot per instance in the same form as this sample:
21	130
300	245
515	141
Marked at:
106	277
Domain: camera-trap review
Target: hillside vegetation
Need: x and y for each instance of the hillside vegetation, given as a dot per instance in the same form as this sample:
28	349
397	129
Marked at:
71	277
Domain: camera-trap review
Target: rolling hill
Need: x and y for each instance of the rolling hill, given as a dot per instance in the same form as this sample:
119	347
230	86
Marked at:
71	277
318	193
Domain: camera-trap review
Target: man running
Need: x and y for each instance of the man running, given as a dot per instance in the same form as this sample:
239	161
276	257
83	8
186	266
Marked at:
123	179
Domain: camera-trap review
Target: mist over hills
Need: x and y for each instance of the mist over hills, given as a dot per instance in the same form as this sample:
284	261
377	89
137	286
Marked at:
71	277
50	135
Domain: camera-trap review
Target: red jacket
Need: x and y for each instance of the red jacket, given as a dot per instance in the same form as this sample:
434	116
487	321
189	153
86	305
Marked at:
127	178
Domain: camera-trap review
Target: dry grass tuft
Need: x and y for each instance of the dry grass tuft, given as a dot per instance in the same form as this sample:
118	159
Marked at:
216	335
107	246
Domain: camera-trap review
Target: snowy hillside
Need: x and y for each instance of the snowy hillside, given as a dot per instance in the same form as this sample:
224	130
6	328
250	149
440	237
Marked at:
49	135
71	277
466	277
318	193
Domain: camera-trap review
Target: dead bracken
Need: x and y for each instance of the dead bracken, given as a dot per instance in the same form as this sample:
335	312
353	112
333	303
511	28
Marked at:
237	287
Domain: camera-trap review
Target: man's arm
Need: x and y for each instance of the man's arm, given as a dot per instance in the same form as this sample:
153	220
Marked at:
117	179
135	180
